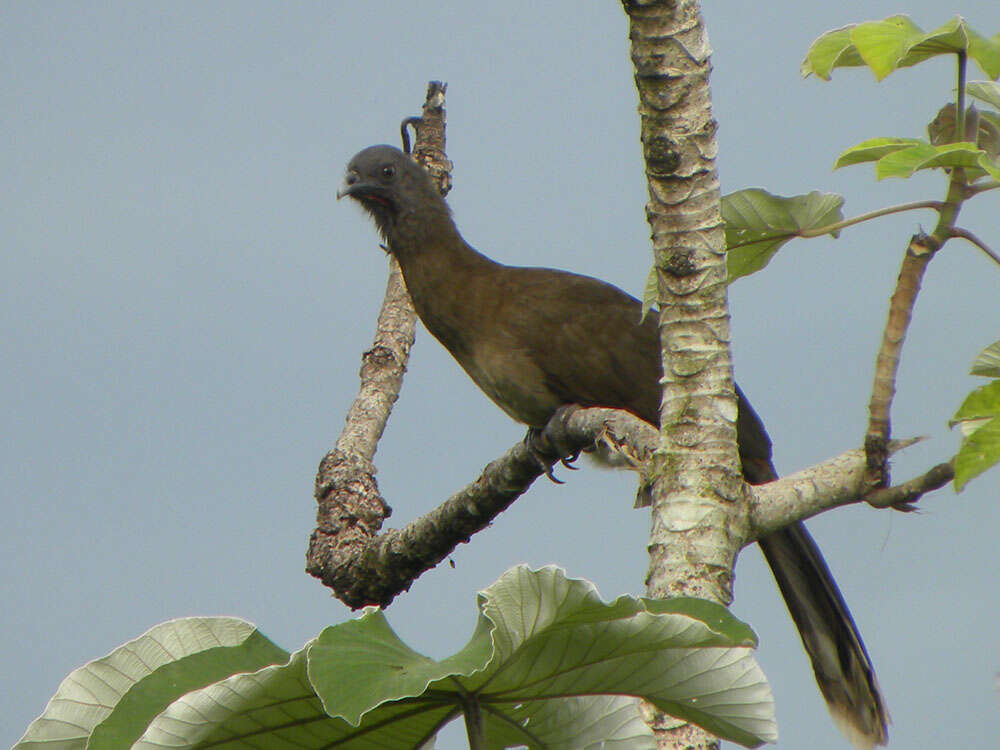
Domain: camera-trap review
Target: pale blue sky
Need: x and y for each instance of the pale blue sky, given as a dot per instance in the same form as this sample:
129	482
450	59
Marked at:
184	307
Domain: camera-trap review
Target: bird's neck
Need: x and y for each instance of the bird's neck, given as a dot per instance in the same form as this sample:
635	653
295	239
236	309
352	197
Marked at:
432	253
442	273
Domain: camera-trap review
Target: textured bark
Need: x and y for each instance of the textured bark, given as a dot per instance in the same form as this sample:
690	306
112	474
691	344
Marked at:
364	567
835	482
699	519
351	510
918	255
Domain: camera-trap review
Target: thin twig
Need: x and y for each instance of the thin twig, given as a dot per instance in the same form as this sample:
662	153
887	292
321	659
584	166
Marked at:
980	187
902	496
965	234
960	97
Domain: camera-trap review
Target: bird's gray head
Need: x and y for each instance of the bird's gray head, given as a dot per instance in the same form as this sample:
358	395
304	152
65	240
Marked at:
389	185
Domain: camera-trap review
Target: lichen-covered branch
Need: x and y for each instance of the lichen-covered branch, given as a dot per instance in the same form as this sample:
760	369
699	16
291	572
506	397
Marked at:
373	568
833	483
351	510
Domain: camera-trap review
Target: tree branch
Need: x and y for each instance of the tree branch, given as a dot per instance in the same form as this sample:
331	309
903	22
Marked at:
373	568
902	496
351	510
671	55
918	255
364	567
833	483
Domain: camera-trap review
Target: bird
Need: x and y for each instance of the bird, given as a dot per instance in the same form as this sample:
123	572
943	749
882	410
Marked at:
537	339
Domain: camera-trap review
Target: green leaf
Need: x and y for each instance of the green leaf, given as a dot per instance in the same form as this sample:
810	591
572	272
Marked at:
278	707
988	362
600	721
986	52
985	91
555	637
979	418
884	44
896	42
549	665
359	665
758	223
833	49
873	150
981	128
905	162
979	452
112	700
988	135
984	402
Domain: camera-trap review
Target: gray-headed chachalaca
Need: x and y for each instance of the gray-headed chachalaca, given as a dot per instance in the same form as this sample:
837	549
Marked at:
534	339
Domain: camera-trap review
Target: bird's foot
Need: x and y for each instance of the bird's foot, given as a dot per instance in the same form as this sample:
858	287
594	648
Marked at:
551	444
540	449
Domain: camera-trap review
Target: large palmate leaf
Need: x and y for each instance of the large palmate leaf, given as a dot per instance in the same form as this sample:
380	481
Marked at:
905	162
109	702
980	450
874	149
549	665
897	42
987	363
985	91
902	157
758	223
979	419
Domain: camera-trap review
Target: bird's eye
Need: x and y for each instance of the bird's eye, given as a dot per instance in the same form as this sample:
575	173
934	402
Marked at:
388	172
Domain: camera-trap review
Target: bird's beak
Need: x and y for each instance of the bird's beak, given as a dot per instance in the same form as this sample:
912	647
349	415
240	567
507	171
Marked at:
354	187
347	187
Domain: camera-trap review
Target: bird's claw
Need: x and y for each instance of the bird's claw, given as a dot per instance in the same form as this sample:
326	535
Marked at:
547	469
569	460
534	442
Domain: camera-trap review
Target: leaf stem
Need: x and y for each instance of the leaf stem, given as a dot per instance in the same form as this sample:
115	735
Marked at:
473	722
968	236
960	99
980	187
887	211
810	233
